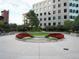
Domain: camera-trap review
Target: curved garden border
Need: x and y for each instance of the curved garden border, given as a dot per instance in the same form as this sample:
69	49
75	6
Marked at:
47	38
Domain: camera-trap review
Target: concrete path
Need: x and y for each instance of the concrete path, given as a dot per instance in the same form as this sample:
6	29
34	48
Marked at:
10	48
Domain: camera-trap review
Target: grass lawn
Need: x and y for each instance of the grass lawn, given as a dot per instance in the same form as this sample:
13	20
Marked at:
38	33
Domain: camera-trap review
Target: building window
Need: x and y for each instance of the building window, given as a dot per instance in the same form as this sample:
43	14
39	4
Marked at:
49	18
54	18
40	14
37	14
65	16
70	10
71	17
73	11
49	24
54	23
53	1
59	23
70	4
40	19
77	11
59	17
59	11
40	24
54	12
58	0
53	6
49	13
65	10
76	0
65	4
76	5
59	5
44	24
44	19
44	13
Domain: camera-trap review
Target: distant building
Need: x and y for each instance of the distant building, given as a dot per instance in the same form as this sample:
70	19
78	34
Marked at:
5	14
55	12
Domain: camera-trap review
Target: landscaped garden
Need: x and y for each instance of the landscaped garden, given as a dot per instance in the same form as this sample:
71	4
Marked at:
39	36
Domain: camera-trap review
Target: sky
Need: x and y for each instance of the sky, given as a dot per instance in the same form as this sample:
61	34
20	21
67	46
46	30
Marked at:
17	8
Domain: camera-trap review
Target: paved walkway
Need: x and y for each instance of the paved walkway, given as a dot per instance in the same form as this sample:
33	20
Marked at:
14	49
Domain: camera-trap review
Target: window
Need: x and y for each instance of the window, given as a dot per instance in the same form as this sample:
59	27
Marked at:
40	19
54	12
65	10
65	4
53	6
54	23
70	4
76	0
49	24
44	13
40	14
76	5
44	24
65	16
73	11
59	11
37	14
70	10
49	18
53	1
59	23
71	17
59	17
54	18
58	0
77	11
49	13
44	19
40	24
59	5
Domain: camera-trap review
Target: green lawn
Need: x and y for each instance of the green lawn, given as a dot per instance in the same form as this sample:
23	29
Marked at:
38	33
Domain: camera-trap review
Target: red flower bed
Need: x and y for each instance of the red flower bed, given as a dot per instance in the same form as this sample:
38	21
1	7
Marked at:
22	35
56	35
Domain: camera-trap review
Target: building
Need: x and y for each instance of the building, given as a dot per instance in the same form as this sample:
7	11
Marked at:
5	14
55	12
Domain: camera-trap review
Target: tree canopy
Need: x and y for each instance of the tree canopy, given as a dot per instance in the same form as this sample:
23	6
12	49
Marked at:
32	17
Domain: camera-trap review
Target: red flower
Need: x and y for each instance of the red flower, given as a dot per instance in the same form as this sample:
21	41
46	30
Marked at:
56	35
22	35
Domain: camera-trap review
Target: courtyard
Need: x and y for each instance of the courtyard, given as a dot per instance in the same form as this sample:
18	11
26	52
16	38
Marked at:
10	48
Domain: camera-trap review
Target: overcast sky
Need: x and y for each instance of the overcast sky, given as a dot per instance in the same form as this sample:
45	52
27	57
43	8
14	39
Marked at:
17	8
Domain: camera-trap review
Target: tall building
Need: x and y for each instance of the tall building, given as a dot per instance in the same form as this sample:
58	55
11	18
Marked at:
5	14
55	12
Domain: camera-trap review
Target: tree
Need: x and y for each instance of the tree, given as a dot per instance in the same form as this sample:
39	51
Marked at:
32	17
76	21
68	24
1	24
76	24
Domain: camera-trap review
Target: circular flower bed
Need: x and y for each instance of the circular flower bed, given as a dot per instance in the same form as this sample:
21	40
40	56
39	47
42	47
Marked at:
23	35
37	37
56	35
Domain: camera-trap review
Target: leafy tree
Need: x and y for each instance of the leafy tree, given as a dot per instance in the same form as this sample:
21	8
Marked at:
68	24
1	24
33	20
76	24
76	21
